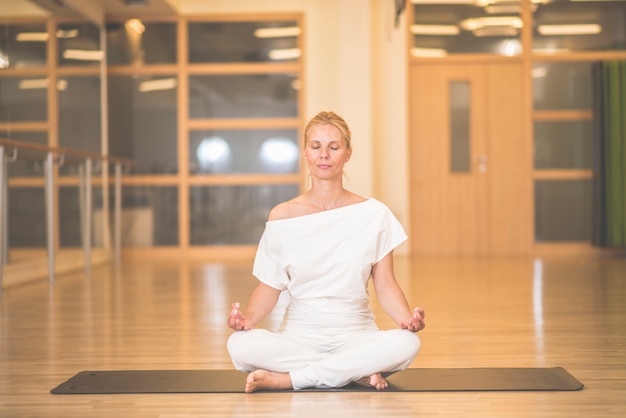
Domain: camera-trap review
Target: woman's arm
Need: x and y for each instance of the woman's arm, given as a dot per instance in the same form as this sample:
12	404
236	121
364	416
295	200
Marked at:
392	298
261	303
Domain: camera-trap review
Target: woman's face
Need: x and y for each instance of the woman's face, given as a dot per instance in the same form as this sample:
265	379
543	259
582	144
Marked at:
326	152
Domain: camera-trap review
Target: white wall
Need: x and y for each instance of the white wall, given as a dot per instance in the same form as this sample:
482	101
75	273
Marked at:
390	109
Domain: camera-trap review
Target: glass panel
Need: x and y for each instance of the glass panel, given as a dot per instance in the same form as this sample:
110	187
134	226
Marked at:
243	42
243	96
441	29
23	45
70	234
244	151
149	216
562	210
562	25
230	215
27	225
460	127
27	167
563	145
137	42
142	122
79	113
79	44
562	86
23	99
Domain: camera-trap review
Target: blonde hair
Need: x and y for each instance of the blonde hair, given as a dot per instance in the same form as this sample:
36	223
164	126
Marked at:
329	118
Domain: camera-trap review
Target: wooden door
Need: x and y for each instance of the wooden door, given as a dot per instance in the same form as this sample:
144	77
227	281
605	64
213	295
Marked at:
469	162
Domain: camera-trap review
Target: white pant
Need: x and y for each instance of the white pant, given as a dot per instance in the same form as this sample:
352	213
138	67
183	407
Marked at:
324	361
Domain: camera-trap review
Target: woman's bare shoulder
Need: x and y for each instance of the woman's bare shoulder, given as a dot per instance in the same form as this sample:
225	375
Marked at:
289	209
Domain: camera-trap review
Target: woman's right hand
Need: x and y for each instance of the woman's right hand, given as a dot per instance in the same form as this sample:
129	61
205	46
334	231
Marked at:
237	320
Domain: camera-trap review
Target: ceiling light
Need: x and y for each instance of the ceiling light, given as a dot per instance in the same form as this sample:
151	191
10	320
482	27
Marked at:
442	1
428	52
584	29
66	34
435	30
551	50
136	25
32	37
501	9
495	31
511	47
285	32
482	22
36	83
40	83
83	55
154	85
284	54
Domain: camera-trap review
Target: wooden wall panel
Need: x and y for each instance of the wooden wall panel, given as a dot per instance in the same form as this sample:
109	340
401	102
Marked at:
509	165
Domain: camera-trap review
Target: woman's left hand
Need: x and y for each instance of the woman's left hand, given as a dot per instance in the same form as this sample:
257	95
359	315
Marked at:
416	321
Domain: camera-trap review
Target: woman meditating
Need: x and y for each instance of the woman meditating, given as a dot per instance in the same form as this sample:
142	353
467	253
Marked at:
322	247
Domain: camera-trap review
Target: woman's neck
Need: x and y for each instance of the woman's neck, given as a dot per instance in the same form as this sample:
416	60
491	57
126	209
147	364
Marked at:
328	196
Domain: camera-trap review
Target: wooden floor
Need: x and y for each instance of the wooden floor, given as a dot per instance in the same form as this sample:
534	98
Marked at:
523	312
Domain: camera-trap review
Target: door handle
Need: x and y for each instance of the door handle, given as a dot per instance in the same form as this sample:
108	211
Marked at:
481	162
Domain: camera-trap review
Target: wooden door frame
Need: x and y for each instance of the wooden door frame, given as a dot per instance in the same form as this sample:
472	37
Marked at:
506	206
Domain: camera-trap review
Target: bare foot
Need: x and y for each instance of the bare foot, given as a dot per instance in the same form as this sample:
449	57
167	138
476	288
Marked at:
262	379
376	381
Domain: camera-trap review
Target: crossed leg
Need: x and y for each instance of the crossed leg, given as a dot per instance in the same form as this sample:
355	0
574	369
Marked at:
264	380
278	362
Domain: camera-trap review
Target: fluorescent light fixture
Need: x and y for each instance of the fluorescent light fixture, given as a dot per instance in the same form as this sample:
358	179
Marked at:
285	54
136	25
67	34
428	52
551	50
501	9
495	31
581	29
483	22
40	83
435	30
4	61
83	55
32	37
32	84
285	32
442	1
160	84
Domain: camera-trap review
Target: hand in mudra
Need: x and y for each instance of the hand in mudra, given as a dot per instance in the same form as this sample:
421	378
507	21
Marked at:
237	320
416	322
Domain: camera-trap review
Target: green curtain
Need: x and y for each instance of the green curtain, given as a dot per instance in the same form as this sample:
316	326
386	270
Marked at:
609	141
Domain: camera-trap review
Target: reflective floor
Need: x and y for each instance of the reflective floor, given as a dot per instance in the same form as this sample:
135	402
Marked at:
481	312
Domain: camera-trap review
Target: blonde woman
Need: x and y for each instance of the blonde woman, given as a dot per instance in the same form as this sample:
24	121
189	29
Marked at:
322	247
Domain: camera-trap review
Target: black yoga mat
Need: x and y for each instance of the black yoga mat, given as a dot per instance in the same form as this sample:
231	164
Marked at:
232	381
